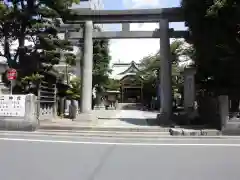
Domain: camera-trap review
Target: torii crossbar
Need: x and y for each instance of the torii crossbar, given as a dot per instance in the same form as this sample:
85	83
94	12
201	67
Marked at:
90	17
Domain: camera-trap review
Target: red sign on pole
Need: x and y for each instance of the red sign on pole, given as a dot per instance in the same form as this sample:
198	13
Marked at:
12	74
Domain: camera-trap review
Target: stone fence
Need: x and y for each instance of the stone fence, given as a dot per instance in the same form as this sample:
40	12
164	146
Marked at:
230	126
20	112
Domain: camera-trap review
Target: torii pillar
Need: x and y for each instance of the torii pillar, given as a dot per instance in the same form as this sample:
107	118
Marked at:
86	75
165	74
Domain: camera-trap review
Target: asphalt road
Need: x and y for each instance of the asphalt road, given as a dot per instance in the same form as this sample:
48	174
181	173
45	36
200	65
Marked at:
35	156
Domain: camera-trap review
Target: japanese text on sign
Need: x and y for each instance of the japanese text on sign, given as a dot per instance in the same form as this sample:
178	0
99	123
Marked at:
12	105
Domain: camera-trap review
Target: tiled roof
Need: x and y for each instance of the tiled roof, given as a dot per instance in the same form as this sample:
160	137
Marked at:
123	69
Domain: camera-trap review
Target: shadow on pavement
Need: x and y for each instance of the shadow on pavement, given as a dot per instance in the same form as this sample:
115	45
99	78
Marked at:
156	122
183	121
179	119
135	121
143	122
131	106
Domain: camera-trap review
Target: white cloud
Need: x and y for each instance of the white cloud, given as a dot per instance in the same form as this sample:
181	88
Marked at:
127	50
141	3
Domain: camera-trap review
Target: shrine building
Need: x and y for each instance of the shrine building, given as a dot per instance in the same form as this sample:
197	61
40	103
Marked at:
131	83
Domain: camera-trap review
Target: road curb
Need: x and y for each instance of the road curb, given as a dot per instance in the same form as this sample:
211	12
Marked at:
94	128
193	132
107	134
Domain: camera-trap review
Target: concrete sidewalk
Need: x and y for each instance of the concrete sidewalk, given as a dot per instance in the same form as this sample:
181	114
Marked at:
108	120
123	120
130	118
66	124
108	125
105	114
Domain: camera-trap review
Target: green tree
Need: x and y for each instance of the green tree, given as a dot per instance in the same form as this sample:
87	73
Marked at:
150	69
214	32
101	60
35	22
74	90
112	84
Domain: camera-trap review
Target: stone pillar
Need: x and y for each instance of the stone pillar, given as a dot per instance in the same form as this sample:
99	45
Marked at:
99	104
165	73
223	110
55	105
76	104
126	27
67	104
189	88
86	92
122	93
62	108
79	58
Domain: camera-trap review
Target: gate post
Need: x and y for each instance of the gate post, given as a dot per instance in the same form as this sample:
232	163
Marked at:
55	101
165	73
189	88
86	74
86	93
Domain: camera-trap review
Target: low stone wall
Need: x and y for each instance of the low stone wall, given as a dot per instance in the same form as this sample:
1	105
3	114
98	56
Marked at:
194	132
230	126
209	112
18	112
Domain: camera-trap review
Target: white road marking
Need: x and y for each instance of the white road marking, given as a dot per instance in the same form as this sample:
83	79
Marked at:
89	135
91	131
77	132
116	143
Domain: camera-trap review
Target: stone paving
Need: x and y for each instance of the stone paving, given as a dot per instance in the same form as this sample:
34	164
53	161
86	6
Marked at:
101	115
129	118
123	120
111	118
106	114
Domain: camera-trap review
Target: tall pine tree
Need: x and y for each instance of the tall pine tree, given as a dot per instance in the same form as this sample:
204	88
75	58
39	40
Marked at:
32	26
101	61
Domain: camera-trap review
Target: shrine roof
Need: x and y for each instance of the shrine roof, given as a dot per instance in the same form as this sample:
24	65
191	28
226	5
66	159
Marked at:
124	69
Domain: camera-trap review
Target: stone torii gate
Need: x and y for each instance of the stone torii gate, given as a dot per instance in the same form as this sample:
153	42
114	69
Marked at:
89	17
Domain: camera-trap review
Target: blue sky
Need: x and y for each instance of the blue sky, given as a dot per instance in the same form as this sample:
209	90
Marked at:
137	48
142	4
119	4
127	50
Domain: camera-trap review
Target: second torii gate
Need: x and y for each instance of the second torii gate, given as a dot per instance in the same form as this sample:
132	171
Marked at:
87	34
